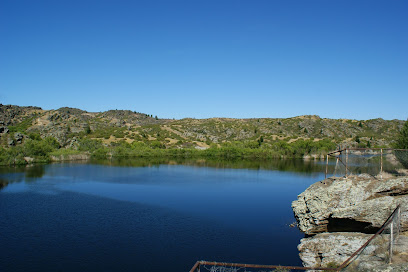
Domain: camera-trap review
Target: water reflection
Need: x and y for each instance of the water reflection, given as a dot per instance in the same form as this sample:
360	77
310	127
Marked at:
35	171
3	183
292	165
29	173
21	173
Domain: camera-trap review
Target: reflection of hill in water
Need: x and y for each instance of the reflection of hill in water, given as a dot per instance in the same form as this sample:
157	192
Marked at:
27	173
30	173
292	165
3	183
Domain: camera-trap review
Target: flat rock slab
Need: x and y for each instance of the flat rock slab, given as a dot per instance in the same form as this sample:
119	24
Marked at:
356	203
332	249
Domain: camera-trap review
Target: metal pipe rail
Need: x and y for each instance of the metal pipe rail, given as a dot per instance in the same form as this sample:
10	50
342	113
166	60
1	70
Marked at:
199	263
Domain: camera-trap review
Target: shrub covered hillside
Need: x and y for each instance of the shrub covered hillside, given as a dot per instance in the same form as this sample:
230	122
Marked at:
30	133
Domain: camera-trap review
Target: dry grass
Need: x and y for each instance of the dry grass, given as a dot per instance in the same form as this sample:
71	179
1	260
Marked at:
201	144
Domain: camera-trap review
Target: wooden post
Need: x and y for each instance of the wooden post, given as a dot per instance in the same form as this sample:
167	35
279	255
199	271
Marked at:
399	219
381	167
327	164
346	160
337	163
391	240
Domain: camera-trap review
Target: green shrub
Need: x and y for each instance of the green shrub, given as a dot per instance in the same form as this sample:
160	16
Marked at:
402	140
101	152
157	144
12	156
89	145
22	126
35	136
33	148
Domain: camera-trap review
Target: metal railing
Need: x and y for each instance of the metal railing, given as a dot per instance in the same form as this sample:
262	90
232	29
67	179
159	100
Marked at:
375	161
393	221
198	264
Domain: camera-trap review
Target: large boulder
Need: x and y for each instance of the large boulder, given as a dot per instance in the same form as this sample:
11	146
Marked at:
11	142
19	137
330	249
4	129
356	203
333	249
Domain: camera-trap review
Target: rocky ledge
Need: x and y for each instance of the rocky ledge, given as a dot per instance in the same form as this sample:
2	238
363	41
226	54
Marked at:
332	249
356	204
338	215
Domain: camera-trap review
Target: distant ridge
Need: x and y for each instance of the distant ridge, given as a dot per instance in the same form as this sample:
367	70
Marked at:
124	125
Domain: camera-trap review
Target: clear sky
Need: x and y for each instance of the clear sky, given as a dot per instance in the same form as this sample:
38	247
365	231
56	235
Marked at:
208	58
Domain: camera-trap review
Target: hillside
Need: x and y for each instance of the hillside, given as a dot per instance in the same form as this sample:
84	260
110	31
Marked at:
70	126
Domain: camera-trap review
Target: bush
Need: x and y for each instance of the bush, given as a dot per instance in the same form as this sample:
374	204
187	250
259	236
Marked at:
51	141
157	144
89	145
101	152
12	156
35	136
33	148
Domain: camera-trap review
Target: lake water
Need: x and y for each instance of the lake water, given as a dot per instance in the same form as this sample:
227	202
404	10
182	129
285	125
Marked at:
137	215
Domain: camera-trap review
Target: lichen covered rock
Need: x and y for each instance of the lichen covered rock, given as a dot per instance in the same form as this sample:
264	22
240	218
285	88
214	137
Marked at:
356	203
333	249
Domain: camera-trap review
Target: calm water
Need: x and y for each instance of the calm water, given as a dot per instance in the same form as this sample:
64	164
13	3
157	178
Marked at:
149	216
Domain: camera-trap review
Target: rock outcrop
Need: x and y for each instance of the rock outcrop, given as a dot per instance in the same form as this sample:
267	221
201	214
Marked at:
356	203
340	214
4	130
332	249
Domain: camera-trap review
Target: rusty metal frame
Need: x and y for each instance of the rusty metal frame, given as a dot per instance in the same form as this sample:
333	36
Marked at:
199	263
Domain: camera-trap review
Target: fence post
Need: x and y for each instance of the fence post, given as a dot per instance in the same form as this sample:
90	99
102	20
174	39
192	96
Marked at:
327	163
391	240
346	160
399	220
381	168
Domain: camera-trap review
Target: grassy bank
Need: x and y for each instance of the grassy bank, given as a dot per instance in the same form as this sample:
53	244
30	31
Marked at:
37	149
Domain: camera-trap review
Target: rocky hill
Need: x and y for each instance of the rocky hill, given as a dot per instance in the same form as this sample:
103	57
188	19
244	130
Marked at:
67	124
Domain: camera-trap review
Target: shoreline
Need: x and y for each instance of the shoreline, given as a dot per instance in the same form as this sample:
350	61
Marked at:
219	153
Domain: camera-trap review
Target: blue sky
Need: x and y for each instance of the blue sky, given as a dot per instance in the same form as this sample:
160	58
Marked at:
208	58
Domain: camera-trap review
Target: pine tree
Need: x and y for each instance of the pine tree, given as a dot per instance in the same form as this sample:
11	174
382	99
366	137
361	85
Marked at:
402	141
